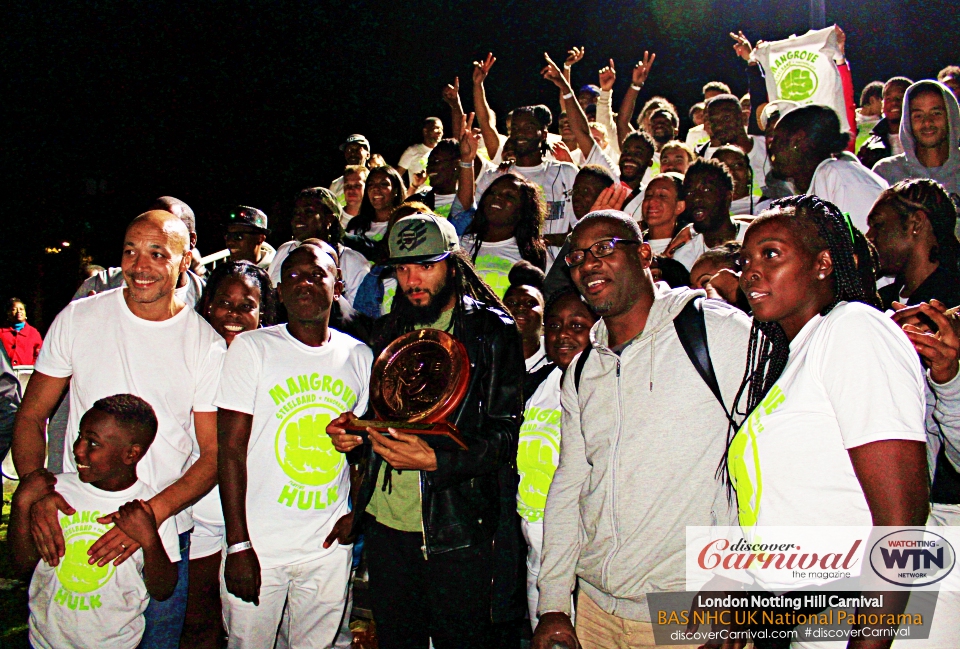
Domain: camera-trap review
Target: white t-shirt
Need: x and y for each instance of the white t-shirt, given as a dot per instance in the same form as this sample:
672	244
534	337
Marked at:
696	136
658	245
538	452
556	180
353	266
337	188
414	158
538	360
742	205
297	482
759	163
853	378
173	365
634	206
376	230
599	157
493	261
849	185
79	605
691	251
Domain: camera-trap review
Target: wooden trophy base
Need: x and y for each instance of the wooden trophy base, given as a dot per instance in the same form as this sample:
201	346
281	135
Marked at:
442	428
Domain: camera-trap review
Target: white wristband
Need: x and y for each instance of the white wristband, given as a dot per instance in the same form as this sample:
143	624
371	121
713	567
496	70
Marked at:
636	87
569	95
466	165
566	67
239	547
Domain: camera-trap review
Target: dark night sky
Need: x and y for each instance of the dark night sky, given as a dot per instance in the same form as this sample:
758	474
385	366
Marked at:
246	102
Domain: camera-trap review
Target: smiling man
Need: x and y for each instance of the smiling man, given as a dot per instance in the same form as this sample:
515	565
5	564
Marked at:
442	541
137	339
928	131
642	436
708	192
246	236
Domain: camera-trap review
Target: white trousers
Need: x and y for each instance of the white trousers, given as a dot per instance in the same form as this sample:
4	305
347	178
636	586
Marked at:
313	593
533	533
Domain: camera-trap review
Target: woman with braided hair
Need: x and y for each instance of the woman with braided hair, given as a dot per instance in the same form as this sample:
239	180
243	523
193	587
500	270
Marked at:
912	225
834	388
835	393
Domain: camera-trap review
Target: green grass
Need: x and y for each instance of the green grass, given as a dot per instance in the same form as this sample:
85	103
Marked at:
13	594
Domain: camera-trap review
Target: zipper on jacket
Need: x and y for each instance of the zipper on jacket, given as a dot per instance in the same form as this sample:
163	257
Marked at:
423	530
613	496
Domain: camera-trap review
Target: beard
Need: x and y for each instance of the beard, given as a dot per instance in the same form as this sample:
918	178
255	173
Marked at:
409	313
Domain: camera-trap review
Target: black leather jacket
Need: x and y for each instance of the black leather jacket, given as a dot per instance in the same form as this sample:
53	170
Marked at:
463	501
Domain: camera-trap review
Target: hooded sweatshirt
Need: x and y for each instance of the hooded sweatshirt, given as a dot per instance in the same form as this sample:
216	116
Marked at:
642	439
906	165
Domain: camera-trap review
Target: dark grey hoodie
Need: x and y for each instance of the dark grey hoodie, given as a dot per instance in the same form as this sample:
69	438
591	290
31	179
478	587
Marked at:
906	165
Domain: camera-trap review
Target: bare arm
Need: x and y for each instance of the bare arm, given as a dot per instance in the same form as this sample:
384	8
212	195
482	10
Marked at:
574	55
451	97
629	104
242	569
24	554
895	497
30	427
136	518
578	119
469	144
491	139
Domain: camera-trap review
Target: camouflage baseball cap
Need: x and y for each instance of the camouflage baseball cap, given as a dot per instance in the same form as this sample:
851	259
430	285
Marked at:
422	239
248	216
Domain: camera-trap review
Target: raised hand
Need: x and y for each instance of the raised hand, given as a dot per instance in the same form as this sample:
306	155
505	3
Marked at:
561	152
741	45
417	179
469	139
607	76
841	41
611	198
451	94
642	69
551	72
482	68
574	55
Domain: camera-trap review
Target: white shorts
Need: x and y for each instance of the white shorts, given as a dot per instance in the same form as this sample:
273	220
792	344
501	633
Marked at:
315	595
206	540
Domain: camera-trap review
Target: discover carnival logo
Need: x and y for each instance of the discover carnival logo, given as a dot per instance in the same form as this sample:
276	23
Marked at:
912	558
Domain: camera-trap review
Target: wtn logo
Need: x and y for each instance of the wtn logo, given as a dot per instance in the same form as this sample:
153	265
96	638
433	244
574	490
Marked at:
912	558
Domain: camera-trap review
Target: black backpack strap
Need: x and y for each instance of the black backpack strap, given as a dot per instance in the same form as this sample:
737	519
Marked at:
533	380
692	331
578	370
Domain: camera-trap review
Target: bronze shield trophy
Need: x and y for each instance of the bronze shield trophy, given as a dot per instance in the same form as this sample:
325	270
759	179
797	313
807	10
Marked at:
416	383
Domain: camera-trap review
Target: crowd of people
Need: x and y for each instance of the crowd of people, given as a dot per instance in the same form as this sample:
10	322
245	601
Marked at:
188	475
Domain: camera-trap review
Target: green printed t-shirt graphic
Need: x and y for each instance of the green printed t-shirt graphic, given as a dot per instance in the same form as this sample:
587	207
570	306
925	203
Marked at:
443	210
304	450
494	270
538	455
80	531
743	460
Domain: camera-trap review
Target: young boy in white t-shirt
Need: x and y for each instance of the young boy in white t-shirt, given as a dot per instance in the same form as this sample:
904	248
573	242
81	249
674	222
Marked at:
73	603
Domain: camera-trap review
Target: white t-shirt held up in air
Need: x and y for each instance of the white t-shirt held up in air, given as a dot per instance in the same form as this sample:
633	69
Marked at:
173	365
78	605
297	482
853	378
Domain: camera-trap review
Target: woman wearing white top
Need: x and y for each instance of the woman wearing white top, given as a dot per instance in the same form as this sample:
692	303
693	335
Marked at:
383	192
835	432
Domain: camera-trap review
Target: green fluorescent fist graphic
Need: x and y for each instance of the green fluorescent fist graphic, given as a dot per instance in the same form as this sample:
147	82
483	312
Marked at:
75	574
494	270
537	459
304	449
798	84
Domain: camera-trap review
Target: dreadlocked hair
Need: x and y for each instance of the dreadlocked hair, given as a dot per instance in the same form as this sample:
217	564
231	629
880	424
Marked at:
928	196
821	227
466	283
529	222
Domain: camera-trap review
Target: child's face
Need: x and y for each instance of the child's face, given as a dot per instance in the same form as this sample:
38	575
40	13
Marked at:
104	450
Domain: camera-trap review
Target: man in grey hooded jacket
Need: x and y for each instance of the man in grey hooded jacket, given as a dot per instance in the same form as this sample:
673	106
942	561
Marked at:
929	131
642	438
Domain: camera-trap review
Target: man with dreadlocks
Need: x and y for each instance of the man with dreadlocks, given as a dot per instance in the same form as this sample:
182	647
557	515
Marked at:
441	525
835	393
912	225
640	428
